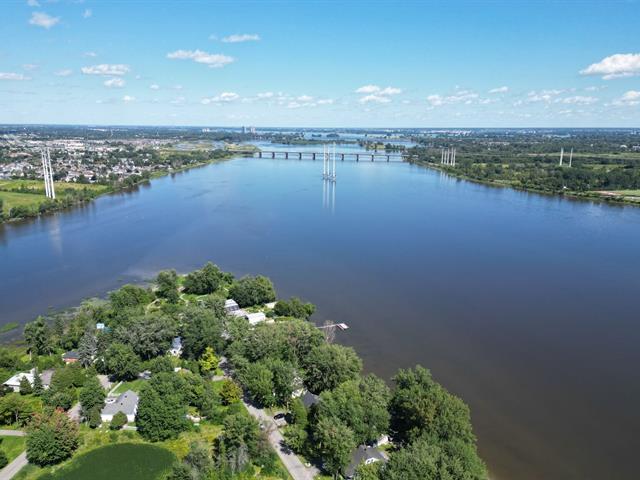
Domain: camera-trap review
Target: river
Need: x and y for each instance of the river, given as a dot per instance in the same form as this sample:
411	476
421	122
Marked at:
524	305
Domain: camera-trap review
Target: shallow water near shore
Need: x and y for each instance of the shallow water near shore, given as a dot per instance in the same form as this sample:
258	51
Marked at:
524	305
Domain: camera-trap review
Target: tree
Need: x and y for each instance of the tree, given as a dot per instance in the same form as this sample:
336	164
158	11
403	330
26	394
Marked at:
283	377
327	366
202	329
37	336
3	456
168	286
205	281
38	388
361	404
230	392
238	441
130	296
87	348
91	396
161	409
294	308
121	362
118	421
371	471
258	380
420	406
94	418
15	408
250	291
25	386
208	361
160	364
51	438
199	460
424	460
334	443
148	335
298	412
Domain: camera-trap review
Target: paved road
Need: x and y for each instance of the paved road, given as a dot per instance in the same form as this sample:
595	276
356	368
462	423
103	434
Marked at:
296	468
12	433
14	467
74	412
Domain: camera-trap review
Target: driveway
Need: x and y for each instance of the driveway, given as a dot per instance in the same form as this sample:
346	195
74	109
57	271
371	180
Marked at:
296	468
14	467
12	433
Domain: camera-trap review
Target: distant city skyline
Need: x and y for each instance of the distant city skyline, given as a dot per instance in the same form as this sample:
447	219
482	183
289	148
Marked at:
323	64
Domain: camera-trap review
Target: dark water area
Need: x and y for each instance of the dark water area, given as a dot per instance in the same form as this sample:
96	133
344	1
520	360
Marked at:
526	306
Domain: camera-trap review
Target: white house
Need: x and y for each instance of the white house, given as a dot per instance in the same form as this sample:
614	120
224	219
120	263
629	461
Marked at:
126	403
14	382
255	318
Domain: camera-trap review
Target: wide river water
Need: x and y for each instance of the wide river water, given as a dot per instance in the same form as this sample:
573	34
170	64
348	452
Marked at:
526	306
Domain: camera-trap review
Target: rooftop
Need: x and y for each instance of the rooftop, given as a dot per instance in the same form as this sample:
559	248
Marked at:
126	403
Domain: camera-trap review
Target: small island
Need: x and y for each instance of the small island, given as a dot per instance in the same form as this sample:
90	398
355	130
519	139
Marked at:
208	376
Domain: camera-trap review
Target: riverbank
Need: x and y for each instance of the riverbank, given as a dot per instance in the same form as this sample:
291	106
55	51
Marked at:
25	199
615	197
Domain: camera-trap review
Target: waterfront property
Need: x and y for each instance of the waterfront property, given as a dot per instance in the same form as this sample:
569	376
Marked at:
126	403
363	455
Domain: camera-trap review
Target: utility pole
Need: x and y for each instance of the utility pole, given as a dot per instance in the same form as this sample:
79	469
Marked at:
561	155
570	156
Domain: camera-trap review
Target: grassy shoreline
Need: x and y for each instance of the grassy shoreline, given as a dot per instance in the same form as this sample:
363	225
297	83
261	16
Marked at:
593	196
92	192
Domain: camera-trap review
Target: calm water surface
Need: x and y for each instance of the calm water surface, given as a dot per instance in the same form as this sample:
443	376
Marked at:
524	305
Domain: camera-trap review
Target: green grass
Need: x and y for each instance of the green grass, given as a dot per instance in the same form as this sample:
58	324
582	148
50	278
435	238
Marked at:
12	446
7	327
37	186
630	193
12	199
133	385
124	460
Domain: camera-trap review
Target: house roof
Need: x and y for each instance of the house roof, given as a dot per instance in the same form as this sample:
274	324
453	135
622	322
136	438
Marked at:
71	355
126	403
309	399
14	381
363	454
255	317
46	376
231	305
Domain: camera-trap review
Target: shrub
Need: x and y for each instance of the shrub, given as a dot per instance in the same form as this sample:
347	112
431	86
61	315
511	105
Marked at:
118	421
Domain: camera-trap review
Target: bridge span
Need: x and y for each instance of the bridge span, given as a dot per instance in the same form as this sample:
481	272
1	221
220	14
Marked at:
341	156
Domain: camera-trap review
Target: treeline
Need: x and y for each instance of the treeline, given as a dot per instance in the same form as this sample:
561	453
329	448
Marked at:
273	363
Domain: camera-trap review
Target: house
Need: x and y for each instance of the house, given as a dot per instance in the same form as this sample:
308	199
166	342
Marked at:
270	305
14	382
231	306
100	326
126	403
309	399
255	318
176	347
363	454
70	357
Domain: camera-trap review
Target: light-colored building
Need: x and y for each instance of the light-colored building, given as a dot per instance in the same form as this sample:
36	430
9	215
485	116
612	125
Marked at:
255	318
14	381
176	347
126	403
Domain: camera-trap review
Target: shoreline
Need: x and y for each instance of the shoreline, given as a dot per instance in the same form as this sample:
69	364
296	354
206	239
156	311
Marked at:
609	198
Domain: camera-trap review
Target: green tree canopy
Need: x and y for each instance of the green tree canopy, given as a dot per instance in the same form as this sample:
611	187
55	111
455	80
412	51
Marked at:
91	396
168	286
250	291
51	438
162	409
204	281
121	362
334	443
294	308
327	366
38	336
201	329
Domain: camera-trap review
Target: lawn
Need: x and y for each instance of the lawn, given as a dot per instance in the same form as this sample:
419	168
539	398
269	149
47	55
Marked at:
12	446
133	385
124	460
13	199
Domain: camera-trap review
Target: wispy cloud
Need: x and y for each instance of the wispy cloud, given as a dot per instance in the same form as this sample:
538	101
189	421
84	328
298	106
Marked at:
499	90
615	66
13	76
106	69
41	19
244	37
224	97
128	99
630	98
33	3
373	98
87	13
578	100
63	73
114	83
154	86
212	60
29	66
90	54
466	97
379	90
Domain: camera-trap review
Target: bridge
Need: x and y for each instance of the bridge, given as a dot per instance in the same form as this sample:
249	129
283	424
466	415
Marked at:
342	156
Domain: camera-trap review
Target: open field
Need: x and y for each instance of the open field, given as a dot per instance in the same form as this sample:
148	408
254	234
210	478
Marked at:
12	199
12	446
124	460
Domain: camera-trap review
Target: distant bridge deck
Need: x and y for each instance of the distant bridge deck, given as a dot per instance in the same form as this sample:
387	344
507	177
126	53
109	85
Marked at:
340	156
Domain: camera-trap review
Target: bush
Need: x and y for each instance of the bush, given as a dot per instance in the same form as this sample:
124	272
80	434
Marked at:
94	418
118	421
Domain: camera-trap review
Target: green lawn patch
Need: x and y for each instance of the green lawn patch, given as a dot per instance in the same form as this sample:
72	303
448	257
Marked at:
12	446
134	385
13	199
124	460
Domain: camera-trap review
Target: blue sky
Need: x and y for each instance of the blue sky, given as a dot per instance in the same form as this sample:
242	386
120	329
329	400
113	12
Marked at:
361	64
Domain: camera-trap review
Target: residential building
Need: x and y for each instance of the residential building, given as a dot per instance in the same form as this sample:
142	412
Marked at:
126	403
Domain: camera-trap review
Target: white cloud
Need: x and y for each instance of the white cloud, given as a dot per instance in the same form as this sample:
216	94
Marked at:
178	101
224	97
542	95
128	99
325	101
154	86
630	98
578	100
264	95
212	60
304	98
461	96
390	91
244	37
368	89
41	19
177	87
499	90
615	66
63	73
33	3
87	13
90	54
373	98
13	76
435	100
106	69
114	83
29	66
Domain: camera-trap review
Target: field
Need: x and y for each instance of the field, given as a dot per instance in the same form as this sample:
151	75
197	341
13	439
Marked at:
12	446
124	460
12	199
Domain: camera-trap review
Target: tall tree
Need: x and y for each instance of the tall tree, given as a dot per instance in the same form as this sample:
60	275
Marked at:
91	396
38	336
203	282
168	286
334	443
51	438
250	291
161	409
327	366
148	335
121	362
87	348
202	329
